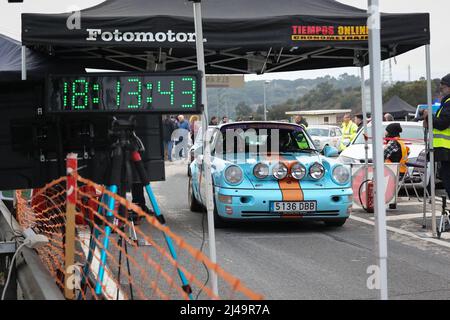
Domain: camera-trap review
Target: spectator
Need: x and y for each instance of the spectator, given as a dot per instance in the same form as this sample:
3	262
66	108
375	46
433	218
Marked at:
349	130
224	119
169	126
214	121
194	124
441	132
396	151
183	124
359	121
301	121
388	117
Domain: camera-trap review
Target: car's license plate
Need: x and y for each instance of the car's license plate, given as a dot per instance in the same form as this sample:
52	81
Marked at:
294	206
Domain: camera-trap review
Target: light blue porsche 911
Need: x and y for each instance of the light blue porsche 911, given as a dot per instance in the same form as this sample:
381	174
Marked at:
271	171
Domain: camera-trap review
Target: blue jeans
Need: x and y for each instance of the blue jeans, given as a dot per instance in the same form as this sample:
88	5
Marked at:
169	150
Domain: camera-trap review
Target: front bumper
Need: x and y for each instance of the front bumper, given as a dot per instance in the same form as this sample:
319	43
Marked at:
255	204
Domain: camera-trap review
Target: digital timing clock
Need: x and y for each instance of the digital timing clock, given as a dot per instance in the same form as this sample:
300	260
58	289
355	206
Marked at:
124	93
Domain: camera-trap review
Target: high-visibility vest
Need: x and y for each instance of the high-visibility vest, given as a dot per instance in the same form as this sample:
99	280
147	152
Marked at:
404	159
349	130
441	138
301	141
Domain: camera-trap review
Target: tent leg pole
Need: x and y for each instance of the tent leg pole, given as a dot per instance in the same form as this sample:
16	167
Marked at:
207	149
377	134
24	63
430	132
364	112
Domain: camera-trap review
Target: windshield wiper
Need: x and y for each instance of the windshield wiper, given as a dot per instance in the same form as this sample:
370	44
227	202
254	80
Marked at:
300	150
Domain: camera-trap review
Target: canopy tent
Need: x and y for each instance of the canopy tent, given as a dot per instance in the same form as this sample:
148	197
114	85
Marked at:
38	64
399	108
252	36
20	100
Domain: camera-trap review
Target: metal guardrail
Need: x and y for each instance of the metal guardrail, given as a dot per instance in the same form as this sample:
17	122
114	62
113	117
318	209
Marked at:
34	280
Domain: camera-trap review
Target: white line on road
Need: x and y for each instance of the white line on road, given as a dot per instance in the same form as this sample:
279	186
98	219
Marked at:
407	216
403	232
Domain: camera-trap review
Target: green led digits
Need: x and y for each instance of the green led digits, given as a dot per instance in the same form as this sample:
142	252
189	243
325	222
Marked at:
96	88
66	91
170	93
122	93
118	89
83	95
192	92
150	97
137	93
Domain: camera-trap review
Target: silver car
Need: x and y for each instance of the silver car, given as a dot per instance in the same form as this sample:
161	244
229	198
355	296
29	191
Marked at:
325	135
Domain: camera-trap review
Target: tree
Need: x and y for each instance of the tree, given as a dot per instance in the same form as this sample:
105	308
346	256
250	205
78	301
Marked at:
414	93
243	110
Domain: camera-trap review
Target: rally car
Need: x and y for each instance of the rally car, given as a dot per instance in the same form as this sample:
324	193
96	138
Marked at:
271	171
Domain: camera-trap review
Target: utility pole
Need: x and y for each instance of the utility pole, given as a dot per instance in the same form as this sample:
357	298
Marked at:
265	103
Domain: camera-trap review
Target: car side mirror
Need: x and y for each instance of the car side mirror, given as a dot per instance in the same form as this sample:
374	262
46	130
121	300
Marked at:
330	152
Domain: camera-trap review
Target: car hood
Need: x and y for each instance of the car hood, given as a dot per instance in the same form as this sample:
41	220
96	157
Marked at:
357	151
250	181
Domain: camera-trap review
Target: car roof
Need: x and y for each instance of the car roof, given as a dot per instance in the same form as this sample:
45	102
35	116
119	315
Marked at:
322	126
258	122
402	123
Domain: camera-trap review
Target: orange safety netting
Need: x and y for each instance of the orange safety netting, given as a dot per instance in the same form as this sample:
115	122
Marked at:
139	263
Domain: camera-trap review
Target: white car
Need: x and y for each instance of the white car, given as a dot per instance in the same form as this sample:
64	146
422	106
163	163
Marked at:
413	133
325	135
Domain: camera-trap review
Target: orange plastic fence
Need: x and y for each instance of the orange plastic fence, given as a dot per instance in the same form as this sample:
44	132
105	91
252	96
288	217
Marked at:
141	269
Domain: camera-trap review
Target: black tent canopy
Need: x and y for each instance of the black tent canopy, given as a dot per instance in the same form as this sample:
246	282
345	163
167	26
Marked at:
398	107
252	36
38	64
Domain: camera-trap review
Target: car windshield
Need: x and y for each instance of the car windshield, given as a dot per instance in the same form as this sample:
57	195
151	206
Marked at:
263	140
318	132
414	134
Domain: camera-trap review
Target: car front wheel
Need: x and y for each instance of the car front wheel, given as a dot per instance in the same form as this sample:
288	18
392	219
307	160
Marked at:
194	205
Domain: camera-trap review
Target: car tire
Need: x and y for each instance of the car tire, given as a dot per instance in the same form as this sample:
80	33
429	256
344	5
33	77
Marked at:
194	205
189	171
335	222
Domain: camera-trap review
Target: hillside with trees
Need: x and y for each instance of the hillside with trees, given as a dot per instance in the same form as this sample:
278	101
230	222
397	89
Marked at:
326	92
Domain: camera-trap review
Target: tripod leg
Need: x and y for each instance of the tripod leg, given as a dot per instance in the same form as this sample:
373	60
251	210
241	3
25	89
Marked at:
137	160
101	271
119	243
129	270
95	234
116	171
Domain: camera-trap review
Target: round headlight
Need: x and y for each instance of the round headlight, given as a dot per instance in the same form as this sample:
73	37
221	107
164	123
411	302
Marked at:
317	171
298	171
261	170
280	171
233	174
341	174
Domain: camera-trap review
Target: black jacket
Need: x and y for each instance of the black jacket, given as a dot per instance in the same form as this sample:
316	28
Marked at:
442	123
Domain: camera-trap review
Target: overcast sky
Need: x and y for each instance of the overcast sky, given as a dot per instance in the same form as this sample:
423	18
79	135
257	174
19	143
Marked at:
10	25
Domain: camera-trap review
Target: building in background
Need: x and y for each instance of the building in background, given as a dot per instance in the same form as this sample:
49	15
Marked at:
315	117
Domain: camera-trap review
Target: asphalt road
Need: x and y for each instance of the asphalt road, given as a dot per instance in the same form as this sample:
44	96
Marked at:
299	260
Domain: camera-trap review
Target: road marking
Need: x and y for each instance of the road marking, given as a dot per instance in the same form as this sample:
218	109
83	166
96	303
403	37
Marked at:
407	216
403	232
